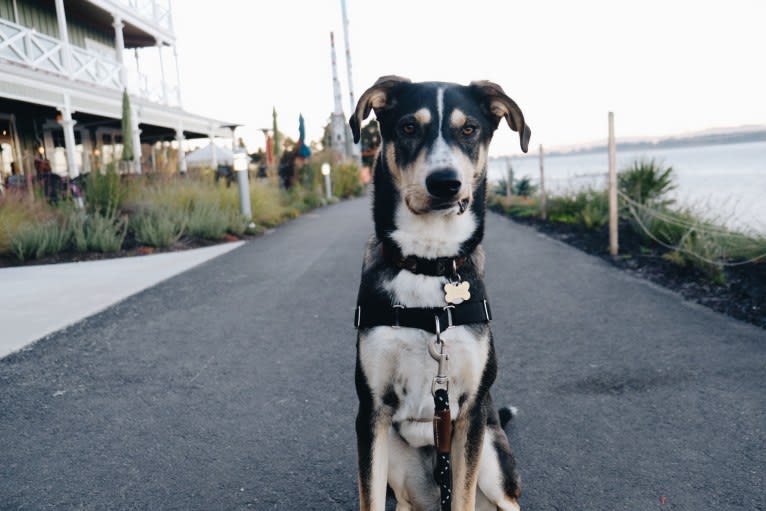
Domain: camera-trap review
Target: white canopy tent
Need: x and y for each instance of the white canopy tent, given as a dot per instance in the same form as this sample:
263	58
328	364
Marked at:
203	157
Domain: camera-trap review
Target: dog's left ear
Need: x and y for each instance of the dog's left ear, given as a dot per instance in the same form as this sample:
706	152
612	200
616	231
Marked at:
500	105
376	97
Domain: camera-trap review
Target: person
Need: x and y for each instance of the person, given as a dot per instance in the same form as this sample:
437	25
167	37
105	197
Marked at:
51	182
14	181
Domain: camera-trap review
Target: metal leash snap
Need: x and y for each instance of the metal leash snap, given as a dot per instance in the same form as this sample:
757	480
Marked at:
441	380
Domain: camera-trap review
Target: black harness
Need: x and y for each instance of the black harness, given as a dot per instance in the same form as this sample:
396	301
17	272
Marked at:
423	318
434	320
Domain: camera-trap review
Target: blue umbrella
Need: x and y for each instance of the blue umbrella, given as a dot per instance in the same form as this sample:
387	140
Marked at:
303	150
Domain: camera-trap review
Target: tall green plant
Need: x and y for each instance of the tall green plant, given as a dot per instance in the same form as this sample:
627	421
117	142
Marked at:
127	128
105	193
646	181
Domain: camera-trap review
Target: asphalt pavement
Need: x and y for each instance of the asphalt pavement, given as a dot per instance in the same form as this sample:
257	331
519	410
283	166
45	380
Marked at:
230	386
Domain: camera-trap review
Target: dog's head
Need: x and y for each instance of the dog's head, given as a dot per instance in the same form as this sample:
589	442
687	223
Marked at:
436	136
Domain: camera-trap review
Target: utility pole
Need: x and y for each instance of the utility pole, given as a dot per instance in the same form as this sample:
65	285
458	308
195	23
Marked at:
355	150
338	119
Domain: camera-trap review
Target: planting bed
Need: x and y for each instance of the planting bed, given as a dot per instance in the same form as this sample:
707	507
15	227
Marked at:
742	294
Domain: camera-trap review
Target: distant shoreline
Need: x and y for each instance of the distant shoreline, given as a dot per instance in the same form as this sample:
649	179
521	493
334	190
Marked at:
671	142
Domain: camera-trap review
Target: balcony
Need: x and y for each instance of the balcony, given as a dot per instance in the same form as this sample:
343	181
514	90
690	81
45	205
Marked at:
28	48
156	12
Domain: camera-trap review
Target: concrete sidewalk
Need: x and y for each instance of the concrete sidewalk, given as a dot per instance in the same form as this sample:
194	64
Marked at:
39	300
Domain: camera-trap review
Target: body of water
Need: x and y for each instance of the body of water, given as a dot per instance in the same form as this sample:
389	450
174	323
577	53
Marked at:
725	182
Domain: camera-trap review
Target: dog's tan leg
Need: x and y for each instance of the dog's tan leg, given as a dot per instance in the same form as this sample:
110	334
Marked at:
373	464
467	440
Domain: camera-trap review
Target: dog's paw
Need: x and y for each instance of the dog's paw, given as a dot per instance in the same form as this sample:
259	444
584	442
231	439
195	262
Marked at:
506	414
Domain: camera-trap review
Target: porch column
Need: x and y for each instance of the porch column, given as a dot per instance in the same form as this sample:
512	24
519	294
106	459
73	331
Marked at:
119	43
178	76
162	71
214	150
136	139
67	125
66	50
181	154
87	150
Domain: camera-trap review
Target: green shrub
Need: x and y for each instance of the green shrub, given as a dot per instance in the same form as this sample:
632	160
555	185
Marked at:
158	226
646	181
207	221
105	233
106	193
38	240
18	210
524	187
595	213
587	208
236	223
345	181
75	220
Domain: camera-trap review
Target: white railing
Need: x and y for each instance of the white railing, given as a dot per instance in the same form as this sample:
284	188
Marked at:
158	12
91	67
29	48
152	89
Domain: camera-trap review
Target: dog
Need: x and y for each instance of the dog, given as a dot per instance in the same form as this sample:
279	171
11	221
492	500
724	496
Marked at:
422	313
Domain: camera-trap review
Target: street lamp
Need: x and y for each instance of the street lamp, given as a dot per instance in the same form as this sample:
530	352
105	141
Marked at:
240	167
327	184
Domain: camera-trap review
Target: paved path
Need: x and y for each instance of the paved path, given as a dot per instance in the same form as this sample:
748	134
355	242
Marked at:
230	386
39	300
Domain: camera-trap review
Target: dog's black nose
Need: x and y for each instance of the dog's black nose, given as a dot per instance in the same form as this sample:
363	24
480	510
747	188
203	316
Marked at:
443	183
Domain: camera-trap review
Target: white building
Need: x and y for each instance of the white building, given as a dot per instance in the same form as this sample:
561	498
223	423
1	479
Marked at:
63	67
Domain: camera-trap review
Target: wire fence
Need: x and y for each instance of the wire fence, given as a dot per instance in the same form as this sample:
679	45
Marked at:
716	240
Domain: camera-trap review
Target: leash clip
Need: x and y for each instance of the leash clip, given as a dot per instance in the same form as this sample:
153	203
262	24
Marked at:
441	380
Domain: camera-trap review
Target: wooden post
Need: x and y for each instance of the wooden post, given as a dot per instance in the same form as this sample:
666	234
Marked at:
508	177
613	241
543	205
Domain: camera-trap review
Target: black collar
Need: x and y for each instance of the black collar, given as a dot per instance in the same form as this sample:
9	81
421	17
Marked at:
434	320
439	267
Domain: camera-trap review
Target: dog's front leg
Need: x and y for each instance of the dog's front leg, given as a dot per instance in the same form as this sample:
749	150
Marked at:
372	447
467	439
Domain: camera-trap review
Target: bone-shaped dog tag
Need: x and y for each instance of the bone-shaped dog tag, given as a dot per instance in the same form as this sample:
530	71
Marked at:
457	292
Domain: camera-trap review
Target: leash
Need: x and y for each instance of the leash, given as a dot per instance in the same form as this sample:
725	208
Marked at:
442	420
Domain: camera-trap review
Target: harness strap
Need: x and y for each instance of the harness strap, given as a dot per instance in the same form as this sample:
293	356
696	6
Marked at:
467	313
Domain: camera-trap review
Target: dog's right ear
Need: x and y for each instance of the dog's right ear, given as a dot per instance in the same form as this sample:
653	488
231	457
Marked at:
374	98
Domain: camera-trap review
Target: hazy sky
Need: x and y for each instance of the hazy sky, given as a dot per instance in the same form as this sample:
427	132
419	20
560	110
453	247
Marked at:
663	67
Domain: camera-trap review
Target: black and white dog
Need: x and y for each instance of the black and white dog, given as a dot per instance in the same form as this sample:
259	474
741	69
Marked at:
422	300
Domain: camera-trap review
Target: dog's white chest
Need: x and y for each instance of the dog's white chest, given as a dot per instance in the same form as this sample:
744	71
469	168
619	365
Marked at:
397	364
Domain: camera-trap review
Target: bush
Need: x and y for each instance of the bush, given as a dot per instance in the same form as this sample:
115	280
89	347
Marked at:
159	226
524	187
18	210
208	221
105	233
106	193
646	181
587	208
345	181
38	240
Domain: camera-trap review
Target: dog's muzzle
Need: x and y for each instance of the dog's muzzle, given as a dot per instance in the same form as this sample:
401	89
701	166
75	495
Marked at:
443	187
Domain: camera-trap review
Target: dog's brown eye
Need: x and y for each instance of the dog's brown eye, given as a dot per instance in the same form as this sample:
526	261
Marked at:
468	130
409	128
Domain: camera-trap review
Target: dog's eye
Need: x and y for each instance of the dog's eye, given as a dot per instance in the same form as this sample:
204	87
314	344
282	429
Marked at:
468	130
409	128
